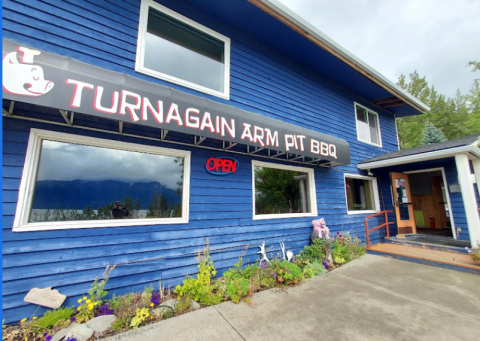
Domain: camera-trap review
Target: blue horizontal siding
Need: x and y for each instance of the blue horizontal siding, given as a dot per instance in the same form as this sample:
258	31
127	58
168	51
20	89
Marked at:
104	33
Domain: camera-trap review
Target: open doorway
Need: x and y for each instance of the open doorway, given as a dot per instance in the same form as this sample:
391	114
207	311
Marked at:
431	207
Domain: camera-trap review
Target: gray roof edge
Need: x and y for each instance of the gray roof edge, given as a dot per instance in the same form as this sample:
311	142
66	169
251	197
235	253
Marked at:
394	88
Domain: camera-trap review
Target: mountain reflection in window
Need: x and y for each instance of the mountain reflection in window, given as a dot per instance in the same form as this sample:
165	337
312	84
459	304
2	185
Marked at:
78	182
280	191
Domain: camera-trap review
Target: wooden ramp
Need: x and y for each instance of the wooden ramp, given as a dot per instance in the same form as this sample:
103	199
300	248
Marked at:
455	261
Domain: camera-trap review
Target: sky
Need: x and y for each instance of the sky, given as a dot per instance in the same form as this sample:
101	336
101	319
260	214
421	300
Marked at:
435	37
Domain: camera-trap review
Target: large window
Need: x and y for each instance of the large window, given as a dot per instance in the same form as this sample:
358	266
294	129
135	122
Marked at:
281	191
74	181
179	50
368	127
361	193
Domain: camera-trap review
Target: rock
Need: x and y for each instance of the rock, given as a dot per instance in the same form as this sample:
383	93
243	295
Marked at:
101	323
194	305
62	332
80	332
167	307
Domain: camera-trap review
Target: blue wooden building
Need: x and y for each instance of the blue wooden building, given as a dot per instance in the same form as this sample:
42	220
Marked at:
135	129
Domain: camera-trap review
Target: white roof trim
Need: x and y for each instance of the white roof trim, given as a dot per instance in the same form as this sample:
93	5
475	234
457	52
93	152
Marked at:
438	154
312	30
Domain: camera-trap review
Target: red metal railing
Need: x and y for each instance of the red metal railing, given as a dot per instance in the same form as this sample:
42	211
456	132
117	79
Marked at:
367	231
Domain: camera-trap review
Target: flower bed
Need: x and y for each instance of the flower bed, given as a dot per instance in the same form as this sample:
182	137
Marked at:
139	309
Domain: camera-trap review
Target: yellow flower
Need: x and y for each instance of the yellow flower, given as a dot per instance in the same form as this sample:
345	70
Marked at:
151	317
95	303
152	304
88	301
34	318
79	308
79	300
90	306
84	297
23	320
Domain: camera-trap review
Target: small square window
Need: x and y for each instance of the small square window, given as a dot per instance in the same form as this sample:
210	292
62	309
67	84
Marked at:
179	50
281	191
368	127
101	183
361	193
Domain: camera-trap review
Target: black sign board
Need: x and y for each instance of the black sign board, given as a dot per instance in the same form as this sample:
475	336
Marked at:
38	77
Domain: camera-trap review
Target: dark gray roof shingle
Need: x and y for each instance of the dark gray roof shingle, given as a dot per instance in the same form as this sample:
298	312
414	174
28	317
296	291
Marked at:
460	142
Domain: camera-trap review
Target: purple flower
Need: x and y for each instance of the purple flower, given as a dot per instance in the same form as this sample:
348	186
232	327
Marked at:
72	319
325	264
49	337
104	310
264	265
155	298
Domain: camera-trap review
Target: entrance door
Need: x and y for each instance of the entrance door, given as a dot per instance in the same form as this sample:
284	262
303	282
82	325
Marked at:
402	201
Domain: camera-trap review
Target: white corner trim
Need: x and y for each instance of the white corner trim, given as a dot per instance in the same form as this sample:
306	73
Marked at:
469	199
379	145
27	184
376	197
439	154
311	191
140	56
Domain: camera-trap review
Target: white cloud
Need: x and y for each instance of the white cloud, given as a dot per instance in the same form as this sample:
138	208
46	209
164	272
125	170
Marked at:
64	161
436	38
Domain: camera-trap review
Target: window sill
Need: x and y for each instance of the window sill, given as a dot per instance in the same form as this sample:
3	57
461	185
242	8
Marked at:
181	82
363	212
64	225
286	215
370	143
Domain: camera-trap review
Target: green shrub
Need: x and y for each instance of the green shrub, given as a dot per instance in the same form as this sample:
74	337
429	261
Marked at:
317	268
474	253
201	289
51	318
237	288
286	272
315	252
346	248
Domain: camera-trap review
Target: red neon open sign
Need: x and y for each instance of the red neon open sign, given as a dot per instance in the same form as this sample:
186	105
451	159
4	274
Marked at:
222	166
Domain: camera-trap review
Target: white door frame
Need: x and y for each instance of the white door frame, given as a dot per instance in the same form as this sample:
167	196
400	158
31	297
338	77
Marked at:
442	169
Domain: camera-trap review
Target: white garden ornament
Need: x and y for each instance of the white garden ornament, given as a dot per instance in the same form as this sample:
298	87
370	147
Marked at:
263	252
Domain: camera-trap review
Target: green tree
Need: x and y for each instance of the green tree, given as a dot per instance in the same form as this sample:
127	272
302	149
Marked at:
431	134
452	116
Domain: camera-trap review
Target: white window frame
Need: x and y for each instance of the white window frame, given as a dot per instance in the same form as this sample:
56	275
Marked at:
376	198
369	111
311	191
27	184
140	57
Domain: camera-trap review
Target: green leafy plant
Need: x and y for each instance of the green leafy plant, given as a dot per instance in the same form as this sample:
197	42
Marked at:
316	267
286	272
52	318
346	248
120	323
97	292
201	288
237	288
315	252
147	294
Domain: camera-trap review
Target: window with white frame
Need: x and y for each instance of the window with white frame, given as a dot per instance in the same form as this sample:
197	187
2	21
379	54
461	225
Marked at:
361	194
179	50
281	191
72	181
368	126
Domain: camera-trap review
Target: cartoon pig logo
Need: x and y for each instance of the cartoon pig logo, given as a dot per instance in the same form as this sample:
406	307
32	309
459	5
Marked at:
24	78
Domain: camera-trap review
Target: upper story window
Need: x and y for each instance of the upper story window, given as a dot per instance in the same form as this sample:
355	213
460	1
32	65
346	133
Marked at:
368	126
179	50
281	191
100	183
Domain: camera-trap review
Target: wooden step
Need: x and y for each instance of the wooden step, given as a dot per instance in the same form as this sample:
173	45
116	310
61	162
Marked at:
422	245
455	261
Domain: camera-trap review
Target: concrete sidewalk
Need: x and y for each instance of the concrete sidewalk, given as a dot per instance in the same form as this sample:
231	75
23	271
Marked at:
372	298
